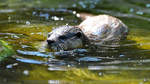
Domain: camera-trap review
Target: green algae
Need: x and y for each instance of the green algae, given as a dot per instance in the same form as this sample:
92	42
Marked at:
85	76
5	50
138	32
34	32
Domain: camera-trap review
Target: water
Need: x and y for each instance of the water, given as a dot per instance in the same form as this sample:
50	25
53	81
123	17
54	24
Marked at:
25	27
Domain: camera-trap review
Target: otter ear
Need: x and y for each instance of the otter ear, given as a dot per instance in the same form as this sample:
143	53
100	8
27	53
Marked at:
78	34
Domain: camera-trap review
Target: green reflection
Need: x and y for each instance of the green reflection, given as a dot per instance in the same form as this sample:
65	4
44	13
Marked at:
5	50
75	75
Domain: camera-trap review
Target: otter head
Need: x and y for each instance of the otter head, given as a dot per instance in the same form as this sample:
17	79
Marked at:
65	38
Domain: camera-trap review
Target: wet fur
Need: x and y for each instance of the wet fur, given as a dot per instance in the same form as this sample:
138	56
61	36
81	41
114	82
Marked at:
66	37
94	29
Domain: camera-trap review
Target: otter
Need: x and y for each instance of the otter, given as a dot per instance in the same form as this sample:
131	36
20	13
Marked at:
93	29
65	37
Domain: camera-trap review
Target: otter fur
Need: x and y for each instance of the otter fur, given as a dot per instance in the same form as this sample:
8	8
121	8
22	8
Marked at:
93	29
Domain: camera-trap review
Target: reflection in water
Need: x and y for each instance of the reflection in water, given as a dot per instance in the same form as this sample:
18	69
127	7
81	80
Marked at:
116	68
7	11
34	53
89	59
29	61
52	54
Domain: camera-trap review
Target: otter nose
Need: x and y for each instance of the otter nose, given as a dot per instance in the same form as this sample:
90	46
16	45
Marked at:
50	42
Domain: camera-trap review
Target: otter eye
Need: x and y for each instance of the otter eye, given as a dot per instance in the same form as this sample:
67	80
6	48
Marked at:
78	34
62	37
49	34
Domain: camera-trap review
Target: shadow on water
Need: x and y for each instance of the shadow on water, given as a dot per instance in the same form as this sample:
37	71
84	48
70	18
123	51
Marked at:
26	30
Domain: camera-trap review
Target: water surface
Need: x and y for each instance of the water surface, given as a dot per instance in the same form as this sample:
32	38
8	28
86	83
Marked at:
25	27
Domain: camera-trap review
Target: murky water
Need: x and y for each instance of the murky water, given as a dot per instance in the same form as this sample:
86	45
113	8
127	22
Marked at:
25	27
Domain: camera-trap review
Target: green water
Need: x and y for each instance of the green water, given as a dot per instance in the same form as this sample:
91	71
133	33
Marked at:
24	24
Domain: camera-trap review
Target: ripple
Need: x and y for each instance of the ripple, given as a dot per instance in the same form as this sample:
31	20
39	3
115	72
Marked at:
9	34
51	54
57	68
139	12
34	53
11	65
54	82
126	61
89	59
148	5
26	72
116	68
31	61
6	10
119	14
12	35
